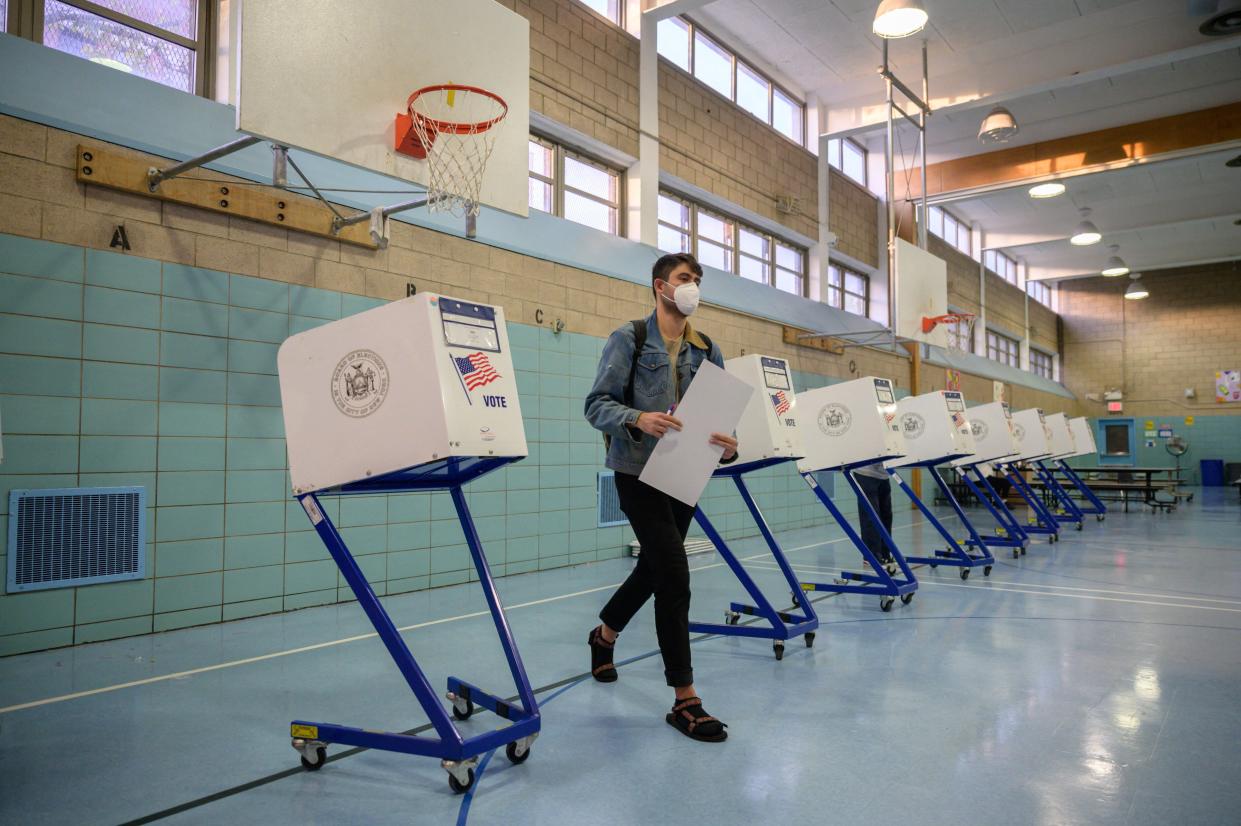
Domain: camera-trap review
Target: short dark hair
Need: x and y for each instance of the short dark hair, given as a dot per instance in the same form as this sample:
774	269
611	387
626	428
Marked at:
667	263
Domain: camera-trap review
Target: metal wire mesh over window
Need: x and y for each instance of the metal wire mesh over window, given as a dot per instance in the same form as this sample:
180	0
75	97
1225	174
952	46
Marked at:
177	16
112	43
458	154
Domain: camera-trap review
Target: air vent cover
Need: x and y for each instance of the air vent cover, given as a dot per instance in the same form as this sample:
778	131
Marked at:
75	536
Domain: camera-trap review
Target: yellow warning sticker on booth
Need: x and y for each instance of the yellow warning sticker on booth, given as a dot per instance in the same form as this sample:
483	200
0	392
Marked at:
304	732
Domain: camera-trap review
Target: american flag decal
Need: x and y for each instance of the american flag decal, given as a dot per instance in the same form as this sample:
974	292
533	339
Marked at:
475	369
781	402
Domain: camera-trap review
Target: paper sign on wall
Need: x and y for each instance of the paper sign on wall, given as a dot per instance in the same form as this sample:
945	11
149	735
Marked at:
1227	386
1150	425
1150	434
1165	433
1189	420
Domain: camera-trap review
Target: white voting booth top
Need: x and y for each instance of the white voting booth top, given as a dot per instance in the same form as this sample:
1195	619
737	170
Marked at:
1083	437
401	385
992	429
769	425
1032	435
1063	444
934	427
848	424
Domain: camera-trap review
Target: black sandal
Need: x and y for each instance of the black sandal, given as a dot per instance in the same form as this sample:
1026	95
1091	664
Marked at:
601	666
689	718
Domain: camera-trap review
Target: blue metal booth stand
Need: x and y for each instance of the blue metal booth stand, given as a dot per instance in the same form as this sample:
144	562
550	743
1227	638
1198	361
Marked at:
955	553
458	754
1009	533
781	625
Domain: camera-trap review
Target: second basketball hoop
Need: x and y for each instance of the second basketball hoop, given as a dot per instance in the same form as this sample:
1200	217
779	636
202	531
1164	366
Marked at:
452	128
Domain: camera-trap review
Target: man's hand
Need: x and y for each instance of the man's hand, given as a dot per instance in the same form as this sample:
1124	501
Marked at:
727	442
657	424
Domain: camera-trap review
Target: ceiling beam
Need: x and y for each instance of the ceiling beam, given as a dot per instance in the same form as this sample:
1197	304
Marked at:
663	9
1048	160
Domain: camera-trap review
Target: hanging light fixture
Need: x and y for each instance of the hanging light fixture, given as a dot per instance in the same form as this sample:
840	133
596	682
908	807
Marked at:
1115	266
1136	288
1086	233
899	18
1048	190
998	126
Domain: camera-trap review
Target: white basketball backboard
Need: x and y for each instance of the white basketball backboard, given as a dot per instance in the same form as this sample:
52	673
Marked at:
329	77
921	291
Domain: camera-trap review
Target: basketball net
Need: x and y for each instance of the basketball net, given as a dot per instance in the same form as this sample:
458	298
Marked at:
454	127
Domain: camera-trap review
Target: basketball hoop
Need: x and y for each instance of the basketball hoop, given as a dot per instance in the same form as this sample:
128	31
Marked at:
451	127
961	336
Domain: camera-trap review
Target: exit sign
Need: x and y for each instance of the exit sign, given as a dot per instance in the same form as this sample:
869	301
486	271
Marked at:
1115	407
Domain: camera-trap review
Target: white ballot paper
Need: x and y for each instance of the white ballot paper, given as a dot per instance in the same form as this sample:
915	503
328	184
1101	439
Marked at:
682	462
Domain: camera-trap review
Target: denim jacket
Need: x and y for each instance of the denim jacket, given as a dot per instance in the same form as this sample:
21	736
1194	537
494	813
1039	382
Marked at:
653	389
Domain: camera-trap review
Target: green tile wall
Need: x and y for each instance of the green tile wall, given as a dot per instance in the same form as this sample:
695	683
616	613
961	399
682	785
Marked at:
116	370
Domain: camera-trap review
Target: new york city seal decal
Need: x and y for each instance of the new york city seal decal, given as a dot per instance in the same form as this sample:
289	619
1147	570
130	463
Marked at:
835	419
360	383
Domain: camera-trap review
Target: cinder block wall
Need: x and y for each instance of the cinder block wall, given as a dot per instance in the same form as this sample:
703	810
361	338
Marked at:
853	214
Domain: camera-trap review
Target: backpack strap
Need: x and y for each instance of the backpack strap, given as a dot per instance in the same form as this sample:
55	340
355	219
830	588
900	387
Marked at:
639	341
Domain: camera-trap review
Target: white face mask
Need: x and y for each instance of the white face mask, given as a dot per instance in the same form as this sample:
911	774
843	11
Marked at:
685	297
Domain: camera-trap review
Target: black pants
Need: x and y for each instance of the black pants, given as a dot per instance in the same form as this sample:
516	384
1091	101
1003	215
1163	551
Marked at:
1002	486
660	523
879	492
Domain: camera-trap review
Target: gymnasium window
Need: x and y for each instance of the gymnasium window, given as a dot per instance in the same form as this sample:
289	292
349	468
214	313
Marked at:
1003	349
721	241
848	290
955	232
572	186
1001	265
4	16
1040	292
160	40
611	9
959	337
849	157
713	64
1040	363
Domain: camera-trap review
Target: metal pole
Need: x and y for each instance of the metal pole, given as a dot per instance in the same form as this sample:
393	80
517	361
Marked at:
157	176
889	149
922	140
339	223
279	165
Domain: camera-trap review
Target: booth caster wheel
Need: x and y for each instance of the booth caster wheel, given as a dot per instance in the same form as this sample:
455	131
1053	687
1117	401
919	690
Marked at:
1023	550
810	639
933	565
885	603
1079	526
516	752
1099	517
906	599
986	571
462	707
778	647
460	774
732	617
1055	537
965	573
313	753
1017	552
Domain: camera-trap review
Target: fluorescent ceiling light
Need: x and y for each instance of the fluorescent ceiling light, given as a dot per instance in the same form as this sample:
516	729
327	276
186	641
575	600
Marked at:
1135	289
1047	190
1086	233
998	126
899	18
1115	266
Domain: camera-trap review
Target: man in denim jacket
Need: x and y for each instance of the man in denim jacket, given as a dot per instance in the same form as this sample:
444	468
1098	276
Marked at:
633	421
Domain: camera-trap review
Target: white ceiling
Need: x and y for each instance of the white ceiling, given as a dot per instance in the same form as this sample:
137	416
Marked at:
1162	214
1063	68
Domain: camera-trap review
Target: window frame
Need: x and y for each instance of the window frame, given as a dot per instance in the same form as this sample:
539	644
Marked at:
1034	285
841	290
1011	349
737	60
560	153
1038	359
1001	265
619	20
26	19
836	158
735	252
945	219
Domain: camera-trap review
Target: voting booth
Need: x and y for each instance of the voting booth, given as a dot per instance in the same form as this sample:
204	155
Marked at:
994	442
769	427
1060	444
847	426
1083	445
991	427
768	434
1033	437
936	430
412	396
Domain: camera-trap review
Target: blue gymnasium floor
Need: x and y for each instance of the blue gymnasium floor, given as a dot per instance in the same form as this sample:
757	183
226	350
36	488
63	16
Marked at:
1094	681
